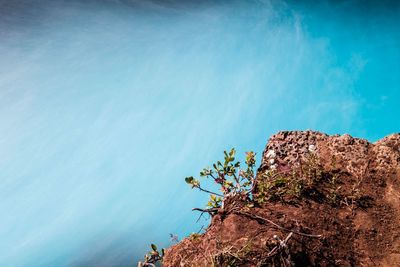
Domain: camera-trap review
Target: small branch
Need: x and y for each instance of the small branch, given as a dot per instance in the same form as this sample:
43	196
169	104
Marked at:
209	211
253	185
282	245
201	215
205	190
206	210
202	227
212	176
256	217
237	182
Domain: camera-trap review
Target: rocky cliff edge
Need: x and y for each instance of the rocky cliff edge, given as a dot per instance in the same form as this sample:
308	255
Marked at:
349	216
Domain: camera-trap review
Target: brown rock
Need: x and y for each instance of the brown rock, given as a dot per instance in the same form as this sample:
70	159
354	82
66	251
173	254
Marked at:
364	235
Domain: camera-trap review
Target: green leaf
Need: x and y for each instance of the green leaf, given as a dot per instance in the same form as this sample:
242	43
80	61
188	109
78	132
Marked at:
280	182
232	152
153	247
189	180
162	252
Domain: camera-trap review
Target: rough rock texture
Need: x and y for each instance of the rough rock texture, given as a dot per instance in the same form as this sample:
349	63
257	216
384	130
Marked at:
363	234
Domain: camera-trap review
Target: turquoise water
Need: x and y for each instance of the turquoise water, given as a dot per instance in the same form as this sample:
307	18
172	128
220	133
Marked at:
105	106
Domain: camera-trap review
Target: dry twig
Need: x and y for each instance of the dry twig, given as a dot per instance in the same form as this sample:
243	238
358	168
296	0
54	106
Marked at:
256	217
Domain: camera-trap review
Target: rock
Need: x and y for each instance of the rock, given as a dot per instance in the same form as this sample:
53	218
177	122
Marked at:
363	234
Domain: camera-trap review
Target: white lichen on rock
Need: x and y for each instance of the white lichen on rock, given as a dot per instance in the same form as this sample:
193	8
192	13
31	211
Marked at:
271	154
312	148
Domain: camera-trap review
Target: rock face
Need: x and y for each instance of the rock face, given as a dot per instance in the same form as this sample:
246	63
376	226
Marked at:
355	207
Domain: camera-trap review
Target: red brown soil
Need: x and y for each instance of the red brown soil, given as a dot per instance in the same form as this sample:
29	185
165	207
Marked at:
362	234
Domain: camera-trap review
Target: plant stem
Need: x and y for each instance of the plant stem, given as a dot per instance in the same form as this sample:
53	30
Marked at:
256	217
205	190
206	210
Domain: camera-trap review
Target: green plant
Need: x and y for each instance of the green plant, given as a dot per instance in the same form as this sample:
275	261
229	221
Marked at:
287	184
152	257
227	255
214	202
334	191
238	183
231	179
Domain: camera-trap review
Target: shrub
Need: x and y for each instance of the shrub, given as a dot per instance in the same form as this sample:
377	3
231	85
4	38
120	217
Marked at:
152	257
231	179
280	185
